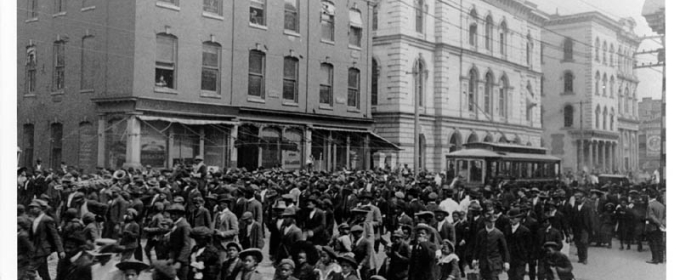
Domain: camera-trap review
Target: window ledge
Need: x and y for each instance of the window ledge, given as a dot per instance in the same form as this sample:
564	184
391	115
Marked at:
253	25
87	91
328	42
30	95
210	94
291	33
290	104
165	90
256	100
167	6
353	110
59	92
353	47
31	20
212	15
85	9
59	14
325	107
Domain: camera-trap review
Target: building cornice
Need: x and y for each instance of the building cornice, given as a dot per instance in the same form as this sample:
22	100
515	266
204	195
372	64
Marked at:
593	16
462	121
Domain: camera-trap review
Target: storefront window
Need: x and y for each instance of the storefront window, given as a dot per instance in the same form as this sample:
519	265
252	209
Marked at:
216	144
293	150
271	150
154	144
116	143
185	144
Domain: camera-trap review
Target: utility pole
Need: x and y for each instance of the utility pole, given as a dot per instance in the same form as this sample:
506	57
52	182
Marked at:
582	149
416	123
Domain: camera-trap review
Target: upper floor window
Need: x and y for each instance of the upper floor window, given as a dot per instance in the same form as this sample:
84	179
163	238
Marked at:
258	12
611	120
472	30
353	88
59	6
604	85
327	21
374	25
472	91
87	65
503	97
529	49
597	49
598	111
420	19
488	94
611	55
611	86
256	70
502	37
166	61
420	81
604	52
31	69
568	116
59	75
568	82
291	20
210	69
212	6
375	76
597	83
356	27
568	49
56	140
32	9
173	2
488	34
326	84
290	78
604	119
530	89
626	107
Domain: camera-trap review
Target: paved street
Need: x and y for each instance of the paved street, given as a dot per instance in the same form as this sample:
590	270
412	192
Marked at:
603	264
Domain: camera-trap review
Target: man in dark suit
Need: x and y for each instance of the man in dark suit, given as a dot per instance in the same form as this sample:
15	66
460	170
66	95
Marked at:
200	216
423	262
445	229
402	217
314	223
250	232
44	236
656	225
253	205
180	242
581	224
360	249
290	234
116	211
532	224
491	252
399	254
546	234
414	205
519	243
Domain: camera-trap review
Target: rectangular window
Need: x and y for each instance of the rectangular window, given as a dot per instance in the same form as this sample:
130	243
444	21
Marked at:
290	75
355	28
59	6
87	66
375	19
212	6
173	2
327	21
419	16
326	87
32	9
29	142
258	10
256	74
56	133
210	72
353	92
166	58
58	79
290	18
31	69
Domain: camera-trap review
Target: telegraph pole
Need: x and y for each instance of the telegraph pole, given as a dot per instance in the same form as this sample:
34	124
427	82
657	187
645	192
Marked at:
582	149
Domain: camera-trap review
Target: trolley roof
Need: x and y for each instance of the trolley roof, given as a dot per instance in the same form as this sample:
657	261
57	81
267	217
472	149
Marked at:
505	147
483	153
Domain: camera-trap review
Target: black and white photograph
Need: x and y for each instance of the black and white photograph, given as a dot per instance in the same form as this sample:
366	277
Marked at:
335	139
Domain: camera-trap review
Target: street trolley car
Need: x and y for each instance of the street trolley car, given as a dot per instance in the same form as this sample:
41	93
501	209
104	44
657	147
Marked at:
483	163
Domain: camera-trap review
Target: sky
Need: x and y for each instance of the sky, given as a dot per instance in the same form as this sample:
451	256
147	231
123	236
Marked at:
650	79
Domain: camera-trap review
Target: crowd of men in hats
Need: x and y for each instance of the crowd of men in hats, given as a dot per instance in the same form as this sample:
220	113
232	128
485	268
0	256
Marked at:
188	223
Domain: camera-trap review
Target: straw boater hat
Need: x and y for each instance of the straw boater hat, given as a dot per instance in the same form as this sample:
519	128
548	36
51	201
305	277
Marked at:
132	264
257	253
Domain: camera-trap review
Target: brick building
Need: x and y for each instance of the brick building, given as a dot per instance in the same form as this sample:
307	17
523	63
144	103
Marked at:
241	83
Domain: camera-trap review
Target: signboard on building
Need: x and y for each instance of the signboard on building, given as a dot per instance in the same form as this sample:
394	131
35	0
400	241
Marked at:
653	143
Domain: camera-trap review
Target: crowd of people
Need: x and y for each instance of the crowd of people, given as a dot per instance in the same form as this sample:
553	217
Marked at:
188	223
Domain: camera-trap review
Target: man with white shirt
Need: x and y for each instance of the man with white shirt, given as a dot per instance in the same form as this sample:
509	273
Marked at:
449	205
443	227
45	238
225	225
519	245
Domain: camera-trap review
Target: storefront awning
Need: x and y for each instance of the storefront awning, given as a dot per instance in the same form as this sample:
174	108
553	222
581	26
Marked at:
184	121
377	142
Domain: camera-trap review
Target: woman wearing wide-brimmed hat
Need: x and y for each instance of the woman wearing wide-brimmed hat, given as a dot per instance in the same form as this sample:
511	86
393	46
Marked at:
349	266
327	265
251	258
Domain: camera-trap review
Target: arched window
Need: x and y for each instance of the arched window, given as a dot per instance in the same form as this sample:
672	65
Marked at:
597	116
502	97
454	142
502	37
472	90
619	57
568	49
420	19
568	116
375	75
597	83
604	119
604	52
604	85
488	94
327	21
597	49
472	138
611	120
625	102
488	34
488	138
611	86
620	98
420	80
611	54
422	151
568	82
473	28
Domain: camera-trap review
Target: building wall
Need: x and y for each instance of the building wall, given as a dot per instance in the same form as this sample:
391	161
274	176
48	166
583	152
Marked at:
444	50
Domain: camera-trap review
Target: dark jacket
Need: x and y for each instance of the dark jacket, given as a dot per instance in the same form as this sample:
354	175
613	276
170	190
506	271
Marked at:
317	225
254	239
582	220
180	243
519	244
447	232
361	251
287	241
423	262
399	260
491	250
200	217
545	235
46	238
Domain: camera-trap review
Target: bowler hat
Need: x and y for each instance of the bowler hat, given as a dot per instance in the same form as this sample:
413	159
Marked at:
132	264
442	210
425	213
514	213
